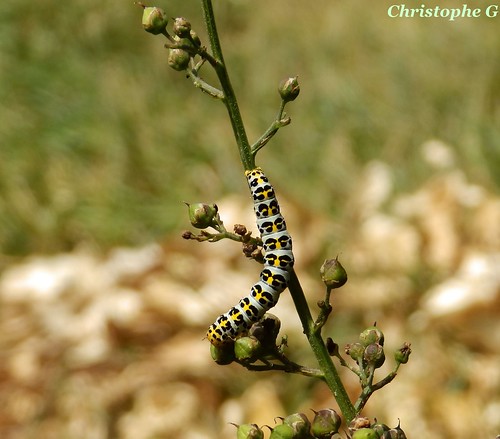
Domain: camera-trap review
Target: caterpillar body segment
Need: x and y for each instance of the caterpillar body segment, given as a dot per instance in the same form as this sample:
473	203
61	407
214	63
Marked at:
278	263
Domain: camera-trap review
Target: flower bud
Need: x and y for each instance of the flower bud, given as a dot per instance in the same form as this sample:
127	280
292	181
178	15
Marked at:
380	429
355	350
289	89
365	433
266	330
371	335
247	349
374	354
300	424
249	249
181	27
195	38
154	20
249	431
223	354
394	433
184	44
403	354
326	423
202	215
333	274
283	431
178	59
240	229
187	234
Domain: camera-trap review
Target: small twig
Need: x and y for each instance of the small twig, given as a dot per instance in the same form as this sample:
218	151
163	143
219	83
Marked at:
204	86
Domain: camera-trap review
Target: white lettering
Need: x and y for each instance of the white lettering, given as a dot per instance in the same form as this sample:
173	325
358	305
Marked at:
402	11
389	11
492	11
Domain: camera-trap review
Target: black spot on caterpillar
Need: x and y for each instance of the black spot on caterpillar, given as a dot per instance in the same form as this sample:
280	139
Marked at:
278	262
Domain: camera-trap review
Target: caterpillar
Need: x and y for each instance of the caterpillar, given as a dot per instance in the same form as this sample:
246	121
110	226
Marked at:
278	263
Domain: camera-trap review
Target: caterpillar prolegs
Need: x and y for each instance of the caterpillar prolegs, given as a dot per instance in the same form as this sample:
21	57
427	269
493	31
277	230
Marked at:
278	263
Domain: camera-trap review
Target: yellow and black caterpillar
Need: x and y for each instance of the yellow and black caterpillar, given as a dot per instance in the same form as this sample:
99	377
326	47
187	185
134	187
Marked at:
278	263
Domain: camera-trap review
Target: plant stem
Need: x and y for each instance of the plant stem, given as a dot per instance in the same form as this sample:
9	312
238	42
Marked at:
331	375
246	155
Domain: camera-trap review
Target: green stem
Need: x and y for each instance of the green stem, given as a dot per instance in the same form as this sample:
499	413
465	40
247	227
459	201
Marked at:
247	158
331	375
230	101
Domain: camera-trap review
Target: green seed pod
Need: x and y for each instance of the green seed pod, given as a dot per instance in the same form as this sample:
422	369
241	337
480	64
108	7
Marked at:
266	330
374	354
283	431
249	431
300	424
202	215
181	27
178	59
154	20
333	274
365	433
403	354
222	354
355	350
326	422
247	349
289	89
371	335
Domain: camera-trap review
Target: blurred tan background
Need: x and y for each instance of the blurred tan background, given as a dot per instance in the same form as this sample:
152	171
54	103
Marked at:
392	161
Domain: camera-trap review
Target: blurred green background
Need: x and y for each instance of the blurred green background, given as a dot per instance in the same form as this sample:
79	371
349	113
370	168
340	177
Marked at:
100	141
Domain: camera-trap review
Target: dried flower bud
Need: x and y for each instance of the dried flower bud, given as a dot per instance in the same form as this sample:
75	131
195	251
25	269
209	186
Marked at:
289	89
371	335
247	349
181	27
355	350
283	431
154	20
332	347
333	274
403	354
249	249
394	433
266	330
178	59
202	215
359	422
249	431
300	424
380	429
326	423
374	354
240	229
365	433
223	354
187	234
